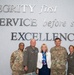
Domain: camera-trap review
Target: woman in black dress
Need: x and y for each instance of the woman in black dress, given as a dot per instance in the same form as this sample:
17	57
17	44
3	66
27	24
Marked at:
44	61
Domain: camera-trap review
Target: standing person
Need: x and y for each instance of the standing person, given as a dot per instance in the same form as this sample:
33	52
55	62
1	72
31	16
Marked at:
30	58
71	60
16	60
44	61
58	58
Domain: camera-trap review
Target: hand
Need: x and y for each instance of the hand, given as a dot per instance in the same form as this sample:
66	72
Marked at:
25	68
37	71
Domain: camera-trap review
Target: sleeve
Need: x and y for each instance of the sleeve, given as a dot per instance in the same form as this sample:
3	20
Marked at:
12	58
51	50
50	59
25	58
66	55
38	61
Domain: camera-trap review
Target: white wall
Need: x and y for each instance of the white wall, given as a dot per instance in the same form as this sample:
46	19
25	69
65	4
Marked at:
58	20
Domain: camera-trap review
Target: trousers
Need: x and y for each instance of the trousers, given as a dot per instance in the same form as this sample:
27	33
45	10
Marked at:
32	73
58	72
17	72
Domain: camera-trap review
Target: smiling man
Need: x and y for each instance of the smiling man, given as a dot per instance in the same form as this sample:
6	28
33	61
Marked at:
30	58
58	58
16	60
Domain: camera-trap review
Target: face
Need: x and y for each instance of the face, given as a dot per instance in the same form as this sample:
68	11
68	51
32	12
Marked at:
71	49
57	42
33	43
21	46
44	48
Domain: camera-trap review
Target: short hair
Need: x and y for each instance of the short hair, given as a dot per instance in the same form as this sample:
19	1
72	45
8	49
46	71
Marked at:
57	39
42	46
32	40
71	46
21	43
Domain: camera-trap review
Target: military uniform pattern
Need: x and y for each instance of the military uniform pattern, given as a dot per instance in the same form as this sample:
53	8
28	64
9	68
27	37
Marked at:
18	73
58	60
16	62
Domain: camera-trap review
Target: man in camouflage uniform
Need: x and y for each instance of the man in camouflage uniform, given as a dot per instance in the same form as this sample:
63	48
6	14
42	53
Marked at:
58	58
16	61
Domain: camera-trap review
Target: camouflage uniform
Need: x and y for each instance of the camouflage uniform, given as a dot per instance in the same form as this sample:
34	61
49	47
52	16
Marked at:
58	59
16	62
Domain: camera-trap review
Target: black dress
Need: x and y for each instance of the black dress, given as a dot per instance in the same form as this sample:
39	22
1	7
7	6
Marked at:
44	70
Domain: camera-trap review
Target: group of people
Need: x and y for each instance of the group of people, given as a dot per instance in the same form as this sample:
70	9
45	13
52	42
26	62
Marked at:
31	61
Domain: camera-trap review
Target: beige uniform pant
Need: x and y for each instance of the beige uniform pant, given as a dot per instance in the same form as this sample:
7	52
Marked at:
58	72
17	72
